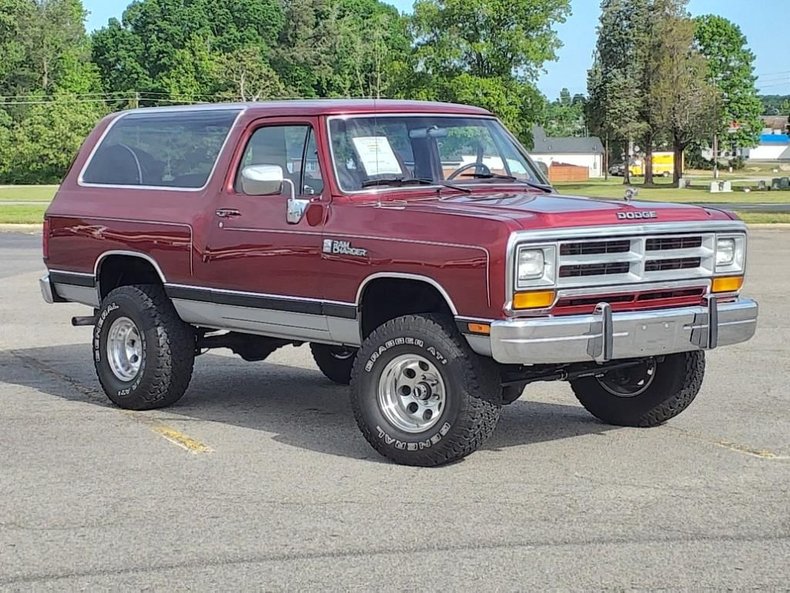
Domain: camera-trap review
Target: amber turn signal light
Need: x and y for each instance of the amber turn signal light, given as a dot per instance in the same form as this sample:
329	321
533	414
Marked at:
479	328
727	284
533	300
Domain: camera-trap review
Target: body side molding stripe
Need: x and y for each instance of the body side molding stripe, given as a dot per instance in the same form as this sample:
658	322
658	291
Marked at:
262	301
73	278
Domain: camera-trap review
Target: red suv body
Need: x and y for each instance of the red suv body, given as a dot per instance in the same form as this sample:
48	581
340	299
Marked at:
324	221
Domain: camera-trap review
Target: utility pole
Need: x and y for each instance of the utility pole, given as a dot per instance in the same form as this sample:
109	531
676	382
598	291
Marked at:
715	155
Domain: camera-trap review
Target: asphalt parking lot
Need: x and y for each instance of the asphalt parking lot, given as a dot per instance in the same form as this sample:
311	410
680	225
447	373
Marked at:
259	479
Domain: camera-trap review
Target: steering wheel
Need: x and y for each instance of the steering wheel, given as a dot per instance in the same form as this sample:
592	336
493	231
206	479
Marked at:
479	168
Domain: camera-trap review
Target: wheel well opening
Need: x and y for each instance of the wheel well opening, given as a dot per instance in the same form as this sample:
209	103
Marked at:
125	270
387	298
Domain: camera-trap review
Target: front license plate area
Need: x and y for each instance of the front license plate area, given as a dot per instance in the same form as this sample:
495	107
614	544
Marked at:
655	336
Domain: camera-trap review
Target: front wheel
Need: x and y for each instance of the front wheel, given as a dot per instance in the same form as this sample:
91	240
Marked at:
142	351
420	395
644	395
334	361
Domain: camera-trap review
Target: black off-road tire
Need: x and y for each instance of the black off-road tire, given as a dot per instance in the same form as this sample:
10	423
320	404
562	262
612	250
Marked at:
168	348
473	391
512	393
677	381
335	362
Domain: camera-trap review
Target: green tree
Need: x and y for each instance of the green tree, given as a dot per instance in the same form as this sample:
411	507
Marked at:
342	48
247	76
47	139
54	92
659	12
14	50
565	115
685	103
775	104
487	52
731	70
149	50
616	81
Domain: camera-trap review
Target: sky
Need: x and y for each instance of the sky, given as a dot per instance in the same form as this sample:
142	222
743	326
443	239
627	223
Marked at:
762	27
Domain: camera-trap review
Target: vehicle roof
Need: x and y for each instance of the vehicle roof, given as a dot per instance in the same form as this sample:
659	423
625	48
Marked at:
315	107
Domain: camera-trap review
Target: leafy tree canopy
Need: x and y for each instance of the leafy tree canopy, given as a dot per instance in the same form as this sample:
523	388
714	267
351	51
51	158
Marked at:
731	70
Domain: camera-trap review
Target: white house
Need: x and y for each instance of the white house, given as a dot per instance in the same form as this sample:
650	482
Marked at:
582	152
774	141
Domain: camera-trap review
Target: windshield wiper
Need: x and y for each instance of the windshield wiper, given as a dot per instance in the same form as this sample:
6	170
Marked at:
404	181
499	177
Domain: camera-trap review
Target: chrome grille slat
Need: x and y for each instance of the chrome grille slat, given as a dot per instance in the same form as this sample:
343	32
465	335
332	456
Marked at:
596	269
672	243
595	247
680	263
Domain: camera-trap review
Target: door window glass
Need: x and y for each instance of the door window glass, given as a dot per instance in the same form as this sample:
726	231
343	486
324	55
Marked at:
293	149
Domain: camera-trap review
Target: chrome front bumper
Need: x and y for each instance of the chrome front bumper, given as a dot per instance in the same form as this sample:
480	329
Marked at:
605	336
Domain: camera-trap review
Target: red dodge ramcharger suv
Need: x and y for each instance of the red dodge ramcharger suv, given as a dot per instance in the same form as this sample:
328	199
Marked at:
414	245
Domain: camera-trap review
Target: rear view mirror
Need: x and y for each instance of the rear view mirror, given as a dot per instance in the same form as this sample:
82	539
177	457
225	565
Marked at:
432	132
262	180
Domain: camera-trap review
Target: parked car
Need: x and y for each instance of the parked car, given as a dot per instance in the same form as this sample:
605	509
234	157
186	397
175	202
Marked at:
415	246
618	170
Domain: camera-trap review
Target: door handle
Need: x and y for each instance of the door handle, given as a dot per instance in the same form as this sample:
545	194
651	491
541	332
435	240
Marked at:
228	212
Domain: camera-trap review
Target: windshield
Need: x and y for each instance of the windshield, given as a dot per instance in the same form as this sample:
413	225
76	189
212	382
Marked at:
381	151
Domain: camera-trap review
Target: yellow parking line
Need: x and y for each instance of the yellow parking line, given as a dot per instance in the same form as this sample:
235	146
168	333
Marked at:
179	438
171	434
761	453
168	432
732	446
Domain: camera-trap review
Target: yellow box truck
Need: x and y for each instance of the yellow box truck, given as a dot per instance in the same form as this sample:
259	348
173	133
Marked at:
663	165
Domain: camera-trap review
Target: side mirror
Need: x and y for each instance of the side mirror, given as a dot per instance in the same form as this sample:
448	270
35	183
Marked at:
262	180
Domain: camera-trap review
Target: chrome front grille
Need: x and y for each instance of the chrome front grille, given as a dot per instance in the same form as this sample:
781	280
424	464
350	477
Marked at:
597	262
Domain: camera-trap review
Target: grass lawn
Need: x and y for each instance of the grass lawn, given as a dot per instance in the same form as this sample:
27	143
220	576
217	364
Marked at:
22	214
27	193
765	217
663	191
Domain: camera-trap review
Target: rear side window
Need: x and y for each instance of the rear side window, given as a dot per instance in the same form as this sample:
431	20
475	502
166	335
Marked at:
166	149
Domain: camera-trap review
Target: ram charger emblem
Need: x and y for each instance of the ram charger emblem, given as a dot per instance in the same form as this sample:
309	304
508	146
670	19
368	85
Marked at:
333	247
637	215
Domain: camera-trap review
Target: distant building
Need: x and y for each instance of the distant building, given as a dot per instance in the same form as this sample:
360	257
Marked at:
582	151
774	140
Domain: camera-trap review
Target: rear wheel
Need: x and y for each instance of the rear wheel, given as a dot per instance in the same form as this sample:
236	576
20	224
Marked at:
334	361
142	351
420	395
645	395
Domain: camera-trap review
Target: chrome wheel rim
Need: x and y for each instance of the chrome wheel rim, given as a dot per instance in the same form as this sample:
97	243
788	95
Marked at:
124	349
630	382
411	394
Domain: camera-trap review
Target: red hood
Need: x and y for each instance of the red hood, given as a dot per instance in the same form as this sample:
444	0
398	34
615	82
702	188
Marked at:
531	210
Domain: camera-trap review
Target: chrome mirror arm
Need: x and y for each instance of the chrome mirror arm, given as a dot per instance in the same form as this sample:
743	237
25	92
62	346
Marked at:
296	207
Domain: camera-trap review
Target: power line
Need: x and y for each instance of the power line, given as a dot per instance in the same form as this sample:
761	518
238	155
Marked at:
772	73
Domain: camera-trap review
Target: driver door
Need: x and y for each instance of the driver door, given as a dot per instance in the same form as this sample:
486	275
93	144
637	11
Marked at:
265	271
